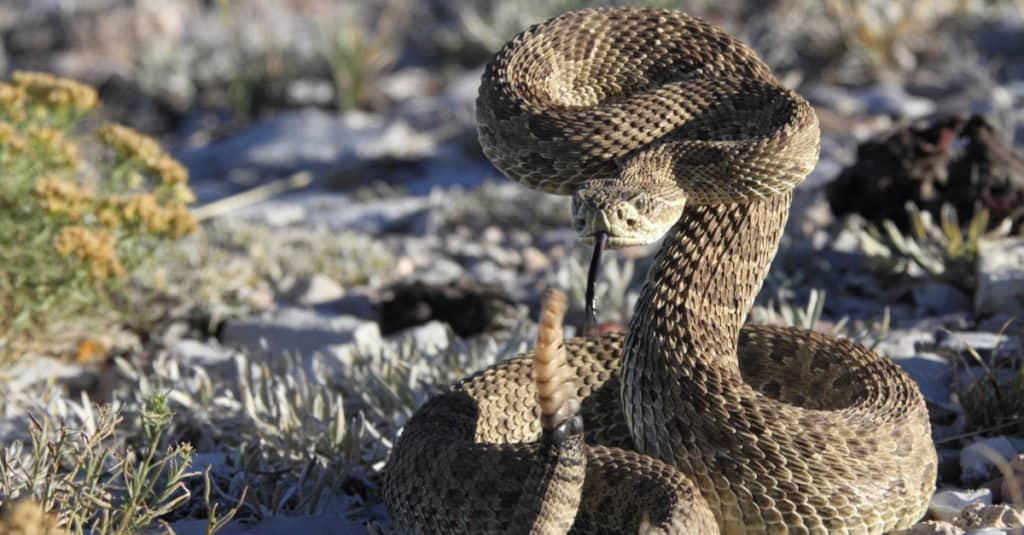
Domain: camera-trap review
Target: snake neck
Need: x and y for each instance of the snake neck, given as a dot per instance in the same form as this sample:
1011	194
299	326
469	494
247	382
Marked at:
683	336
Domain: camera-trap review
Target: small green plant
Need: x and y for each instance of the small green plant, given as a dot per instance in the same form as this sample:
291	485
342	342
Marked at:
783	312
943	251
73	225
92	479
358	53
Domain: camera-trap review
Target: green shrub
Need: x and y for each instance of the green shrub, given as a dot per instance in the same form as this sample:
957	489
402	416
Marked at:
78	210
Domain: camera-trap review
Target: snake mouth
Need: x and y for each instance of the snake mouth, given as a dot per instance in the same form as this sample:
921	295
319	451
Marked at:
599	240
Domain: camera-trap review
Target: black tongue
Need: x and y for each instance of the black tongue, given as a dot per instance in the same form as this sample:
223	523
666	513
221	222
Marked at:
590	319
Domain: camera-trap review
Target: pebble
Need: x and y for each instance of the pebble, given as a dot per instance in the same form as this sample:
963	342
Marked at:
315	290
208	356
931	527
534	260
947	504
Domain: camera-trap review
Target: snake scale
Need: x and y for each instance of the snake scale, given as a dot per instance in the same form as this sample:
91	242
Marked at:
661	125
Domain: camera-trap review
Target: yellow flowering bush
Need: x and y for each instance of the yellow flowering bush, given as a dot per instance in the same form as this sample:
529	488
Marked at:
78	209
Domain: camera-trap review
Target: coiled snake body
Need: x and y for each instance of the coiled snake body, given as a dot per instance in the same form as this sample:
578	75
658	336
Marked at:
660	124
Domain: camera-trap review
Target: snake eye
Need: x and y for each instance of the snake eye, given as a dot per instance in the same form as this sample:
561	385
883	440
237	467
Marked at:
579	223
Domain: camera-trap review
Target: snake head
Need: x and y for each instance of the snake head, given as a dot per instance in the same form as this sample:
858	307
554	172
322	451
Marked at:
630	213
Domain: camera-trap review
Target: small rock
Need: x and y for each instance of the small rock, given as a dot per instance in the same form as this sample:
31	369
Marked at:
27	372
210	357
468	305
503	257
359	302
978	461
429	337
492	234
440	270
534	260
947	504
1000	277
987	345
980	516
315	290
902	343
931	527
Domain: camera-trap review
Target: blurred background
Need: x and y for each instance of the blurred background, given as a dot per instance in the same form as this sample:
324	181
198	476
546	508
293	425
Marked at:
395	79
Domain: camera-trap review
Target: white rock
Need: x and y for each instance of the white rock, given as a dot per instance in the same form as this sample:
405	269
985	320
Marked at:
534	260
290	330
1000	277
947	504
205	355
429	337
39	369
901	343
978	461
986	344
316	290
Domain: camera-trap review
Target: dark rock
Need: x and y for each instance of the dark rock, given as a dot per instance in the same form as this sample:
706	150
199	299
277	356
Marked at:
469	306
960	161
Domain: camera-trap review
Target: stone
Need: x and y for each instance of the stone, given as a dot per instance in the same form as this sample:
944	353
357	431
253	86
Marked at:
901	343
978	516
1000	277
290	330
429	337
931	527
987	345
208	356
534	260
360	302
978	461
24	373
470	306
947	504
315	290
939	298
932	374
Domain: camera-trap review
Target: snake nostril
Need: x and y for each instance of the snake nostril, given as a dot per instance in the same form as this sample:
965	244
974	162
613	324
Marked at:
631	223
579	223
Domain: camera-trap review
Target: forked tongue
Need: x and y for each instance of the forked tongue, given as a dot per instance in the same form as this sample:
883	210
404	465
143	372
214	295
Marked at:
590	318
